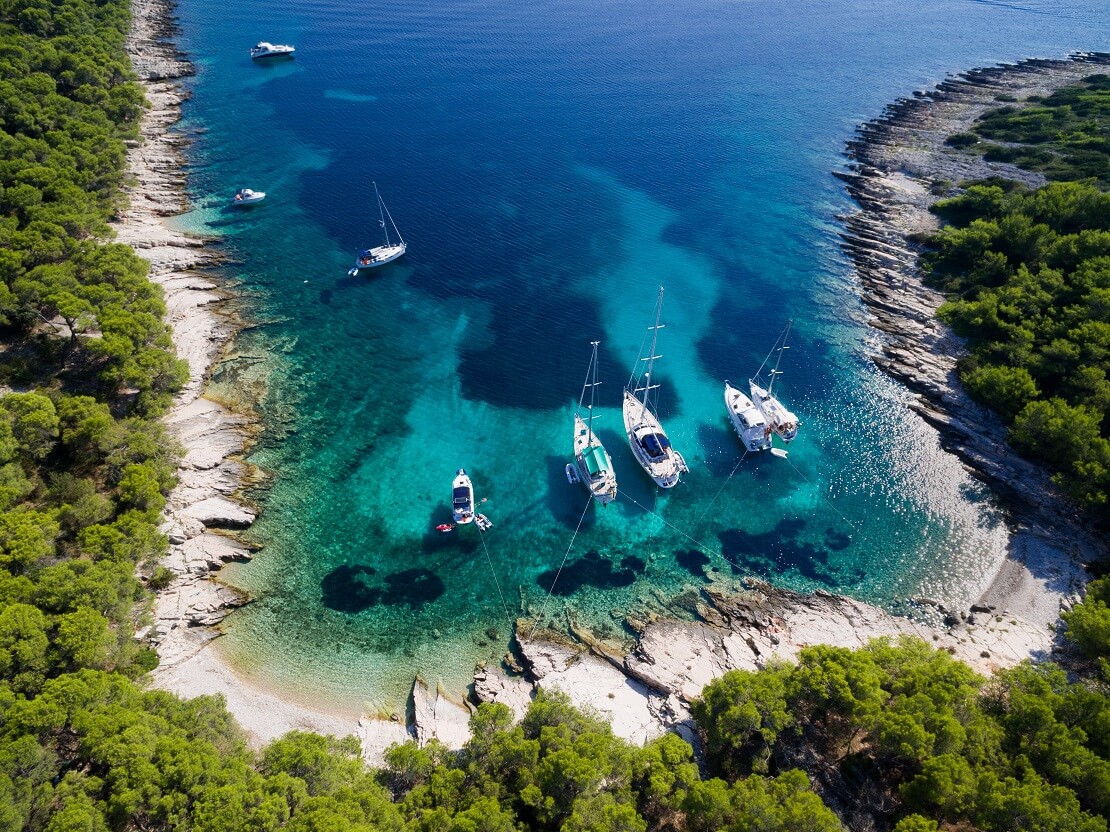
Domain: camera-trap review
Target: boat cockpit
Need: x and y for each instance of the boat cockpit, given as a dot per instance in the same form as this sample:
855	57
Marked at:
655	445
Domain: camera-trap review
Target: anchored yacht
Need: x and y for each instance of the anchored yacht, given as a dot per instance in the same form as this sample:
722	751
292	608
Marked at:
462	498
781	420
646	436
380	255
592	465
265	49
245	196
747	420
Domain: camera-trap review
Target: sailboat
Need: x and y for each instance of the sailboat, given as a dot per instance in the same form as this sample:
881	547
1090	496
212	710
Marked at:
646	436
592	466
747	420
462	498
380	255
781	420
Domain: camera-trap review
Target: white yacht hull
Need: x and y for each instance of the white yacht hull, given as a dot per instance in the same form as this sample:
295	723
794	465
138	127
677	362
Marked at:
667	465
271	50
462	498
602	482
379	256
747	420
781	420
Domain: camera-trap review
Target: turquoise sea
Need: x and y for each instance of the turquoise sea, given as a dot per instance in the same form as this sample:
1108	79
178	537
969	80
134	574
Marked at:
550	165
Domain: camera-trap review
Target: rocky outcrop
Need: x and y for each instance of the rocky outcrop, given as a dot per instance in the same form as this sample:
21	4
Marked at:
648	690
434	716
492	684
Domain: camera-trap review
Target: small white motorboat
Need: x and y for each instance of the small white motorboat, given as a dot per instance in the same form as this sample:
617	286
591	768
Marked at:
245	196
462	498
265	49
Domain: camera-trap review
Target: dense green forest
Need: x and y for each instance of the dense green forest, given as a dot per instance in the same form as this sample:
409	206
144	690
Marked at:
899	735
1028	276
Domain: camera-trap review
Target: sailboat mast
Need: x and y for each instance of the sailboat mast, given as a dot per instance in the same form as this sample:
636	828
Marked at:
381	213
651	356
593	392
775	372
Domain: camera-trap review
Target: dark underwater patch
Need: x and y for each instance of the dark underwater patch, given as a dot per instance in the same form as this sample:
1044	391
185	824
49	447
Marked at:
529	362
693	561
346	590
589	570
634	563
781	549
350	589
412	587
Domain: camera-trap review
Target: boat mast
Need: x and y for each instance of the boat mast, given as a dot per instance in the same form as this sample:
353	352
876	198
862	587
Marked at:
593	391
777	371
651	356
381	213
591	372
383	207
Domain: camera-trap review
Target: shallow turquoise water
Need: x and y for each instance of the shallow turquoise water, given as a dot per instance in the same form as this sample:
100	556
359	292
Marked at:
550	166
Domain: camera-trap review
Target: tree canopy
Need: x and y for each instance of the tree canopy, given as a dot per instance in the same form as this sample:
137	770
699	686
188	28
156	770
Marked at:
1028	277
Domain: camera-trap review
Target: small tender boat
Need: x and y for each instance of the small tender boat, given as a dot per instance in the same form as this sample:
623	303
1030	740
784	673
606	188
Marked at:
646	436
245	196
592	465
781	420
462	498
380	255
747	420
482	522
265	49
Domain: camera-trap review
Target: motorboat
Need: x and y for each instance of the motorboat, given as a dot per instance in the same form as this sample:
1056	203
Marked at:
747	419
265	49
462	498
245	196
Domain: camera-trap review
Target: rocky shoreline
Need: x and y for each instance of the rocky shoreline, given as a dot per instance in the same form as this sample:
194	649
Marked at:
213	438
899	166
646	690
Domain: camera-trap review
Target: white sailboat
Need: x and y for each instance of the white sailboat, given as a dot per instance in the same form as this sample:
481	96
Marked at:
646	436
462	498
380	255
781	420
747	420
592	465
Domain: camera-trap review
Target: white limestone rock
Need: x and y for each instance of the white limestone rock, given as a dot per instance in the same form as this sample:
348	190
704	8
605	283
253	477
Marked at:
492	684
219	512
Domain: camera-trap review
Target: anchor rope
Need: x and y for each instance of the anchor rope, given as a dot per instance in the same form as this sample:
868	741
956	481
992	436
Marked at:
707	549
855	528
672	526
496	583
735	468
550	589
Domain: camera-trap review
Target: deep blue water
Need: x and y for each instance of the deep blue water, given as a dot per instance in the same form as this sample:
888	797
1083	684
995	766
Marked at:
551	165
